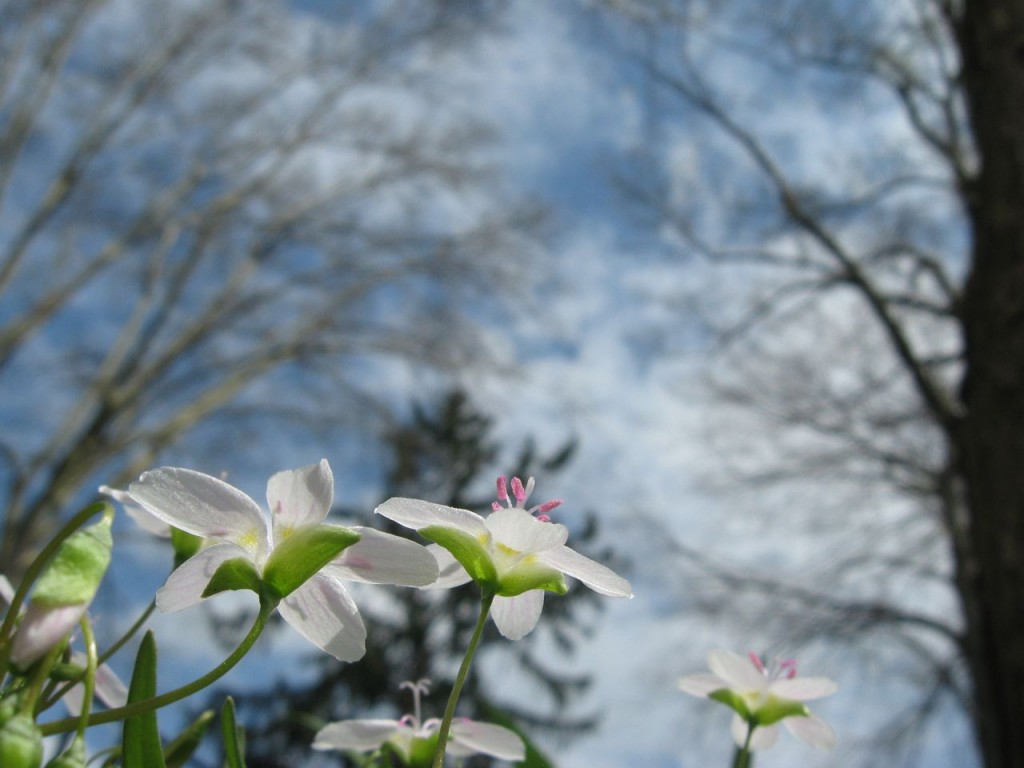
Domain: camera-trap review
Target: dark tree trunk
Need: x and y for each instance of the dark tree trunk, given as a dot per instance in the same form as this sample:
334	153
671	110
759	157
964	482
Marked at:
991	440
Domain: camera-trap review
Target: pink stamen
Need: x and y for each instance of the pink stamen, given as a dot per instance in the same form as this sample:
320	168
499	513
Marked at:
756	661
495	506
546	507
503	488
788	667
544	518
518	491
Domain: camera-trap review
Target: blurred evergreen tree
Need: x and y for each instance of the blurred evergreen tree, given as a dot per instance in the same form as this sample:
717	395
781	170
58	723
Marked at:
444	452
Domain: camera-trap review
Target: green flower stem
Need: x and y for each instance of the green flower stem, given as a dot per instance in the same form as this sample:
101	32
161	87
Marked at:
91	664
460	679
36	567
40	674
743	758
267	606
52	698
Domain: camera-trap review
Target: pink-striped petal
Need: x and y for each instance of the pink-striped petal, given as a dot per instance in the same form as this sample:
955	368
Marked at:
811	730
599	578
418	514
380	558
300	497
202	505
186	584
737	671
517	616
323	612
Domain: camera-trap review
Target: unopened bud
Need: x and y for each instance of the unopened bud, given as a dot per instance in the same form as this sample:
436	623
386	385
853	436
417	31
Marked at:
21	744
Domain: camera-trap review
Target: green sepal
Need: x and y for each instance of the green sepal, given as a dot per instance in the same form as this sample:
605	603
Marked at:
140	741
76	570
775	709
183	746
468	550
72	757
303	553
732	700
422	751
234	737
184	544
21	744
237	573
529	574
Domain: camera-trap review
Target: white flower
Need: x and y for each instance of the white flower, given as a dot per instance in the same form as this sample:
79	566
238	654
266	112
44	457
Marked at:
296	554
510	552
762	696
416	740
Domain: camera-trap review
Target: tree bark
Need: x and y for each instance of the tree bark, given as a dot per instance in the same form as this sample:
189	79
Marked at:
991	438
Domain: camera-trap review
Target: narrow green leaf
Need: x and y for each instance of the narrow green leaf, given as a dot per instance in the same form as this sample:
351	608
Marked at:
140	744
234	738
178	752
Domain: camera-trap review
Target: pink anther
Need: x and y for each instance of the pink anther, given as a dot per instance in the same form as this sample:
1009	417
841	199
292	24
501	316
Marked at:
517	490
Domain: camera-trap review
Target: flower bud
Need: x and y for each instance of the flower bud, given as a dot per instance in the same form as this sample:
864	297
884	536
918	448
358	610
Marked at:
21	744
63	592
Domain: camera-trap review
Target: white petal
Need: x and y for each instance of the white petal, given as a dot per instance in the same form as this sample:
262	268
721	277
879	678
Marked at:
299	497
738	671
518	529
417	514
450	572
517	616
599	578
487	739
42	628
380	558
701	684
185	586
811	730
360	735
804	688
202	505
324	613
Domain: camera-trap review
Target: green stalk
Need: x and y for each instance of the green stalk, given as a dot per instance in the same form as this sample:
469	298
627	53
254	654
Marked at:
91	664
460	679
267	606
743	758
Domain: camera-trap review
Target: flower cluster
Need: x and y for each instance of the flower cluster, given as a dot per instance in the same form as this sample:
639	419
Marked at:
297	563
